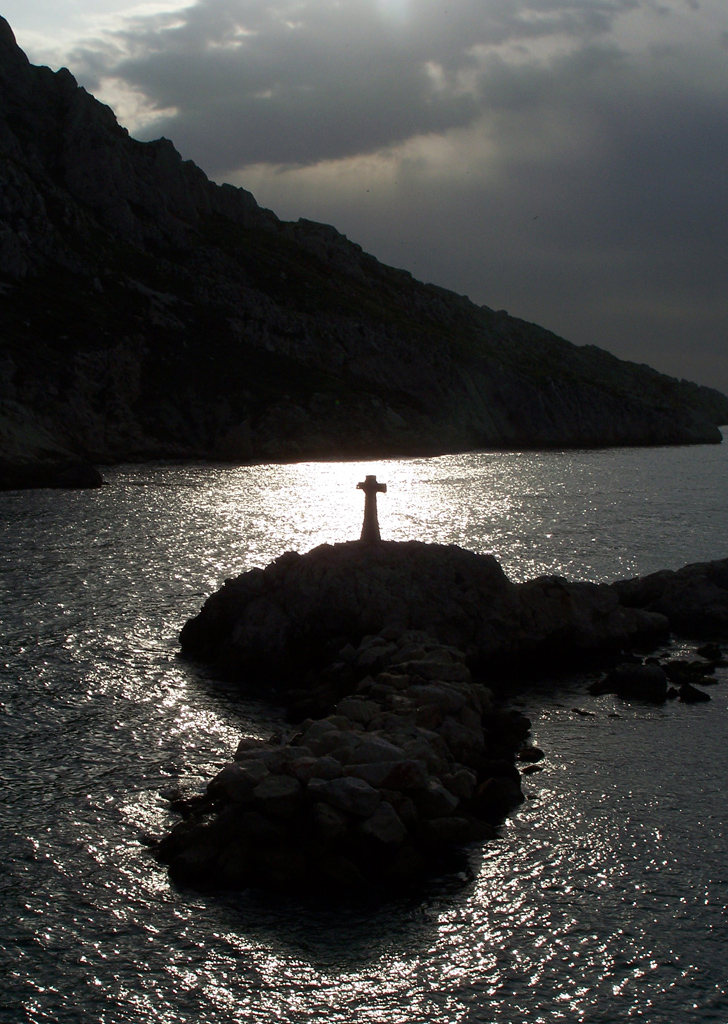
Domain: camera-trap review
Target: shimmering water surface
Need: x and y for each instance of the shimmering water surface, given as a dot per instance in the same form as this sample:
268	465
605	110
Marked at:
603	900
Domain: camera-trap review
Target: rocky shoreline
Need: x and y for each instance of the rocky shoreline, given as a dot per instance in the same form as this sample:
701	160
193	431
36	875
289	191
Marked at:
54	474
387	656
31	455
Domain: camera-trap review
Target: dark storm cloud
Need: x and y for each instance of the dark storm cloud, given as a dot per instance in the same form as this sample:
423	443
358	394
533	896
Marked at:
589	197
565	160
300	82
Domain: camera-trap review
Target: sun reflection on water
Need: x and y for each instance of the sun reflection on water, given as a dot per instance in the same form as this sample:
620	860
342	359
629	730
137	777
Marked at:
569	513
100	719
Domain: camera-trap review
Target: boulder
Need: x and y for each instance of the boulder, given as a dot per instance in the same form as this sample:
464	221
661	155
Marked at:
452	831
328	822
192	866
276	759
233	866
634	682
401	775
278	796
497	769
285	867
376	749
421	748
446	698
712	652
463	743
681	670
531	754
439	671
309	767
406	775
694	599
247	745
495	797
323	741
357	709
690	694
349	794
461	782
236	782
429	716
384	826
434	800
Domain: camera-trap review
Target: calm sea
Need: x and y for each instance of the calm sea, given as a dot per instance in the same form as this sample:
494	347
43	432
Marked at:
604	897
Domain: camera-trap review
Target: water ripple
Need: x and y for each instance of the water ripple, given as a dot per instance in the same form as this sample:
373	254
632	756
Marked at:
603	900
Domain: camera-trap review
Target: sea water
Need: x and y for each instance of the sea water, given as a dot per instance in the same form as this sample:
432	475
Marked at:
603	899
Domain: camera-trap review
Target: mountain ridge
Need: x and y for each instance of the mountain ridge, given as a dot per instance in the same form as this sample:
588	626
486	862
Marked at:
150	313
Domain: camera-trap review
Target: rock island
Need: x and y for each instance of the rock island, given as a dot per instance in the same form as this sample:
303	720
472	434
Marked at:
398	750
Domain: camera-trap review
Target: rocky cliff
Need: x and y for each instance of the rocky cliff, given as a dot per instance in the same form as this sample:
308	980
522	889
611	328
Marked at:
150	313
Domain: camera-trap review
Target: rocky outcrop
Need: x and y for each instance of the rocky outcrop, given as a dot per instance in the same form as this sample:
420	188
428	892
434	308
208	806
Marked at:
398	753
31	456
415	762
276	622
148	313
648	681
694	598
634	681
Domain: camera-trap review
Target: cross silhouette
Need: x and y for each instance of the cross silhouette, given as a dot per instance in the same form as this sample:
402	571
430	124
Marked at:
370	527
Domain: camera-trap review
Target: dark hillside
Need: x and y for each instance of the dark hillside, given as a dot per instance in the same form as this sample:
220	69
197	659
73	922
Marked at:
149	313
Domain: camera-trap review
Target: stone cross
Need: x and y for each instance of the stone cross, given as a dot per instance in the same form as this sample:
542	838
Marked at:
370	528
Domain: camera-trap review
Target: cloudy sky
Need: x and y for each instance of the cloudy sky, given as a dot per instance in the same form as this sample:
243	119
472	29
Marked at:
566	160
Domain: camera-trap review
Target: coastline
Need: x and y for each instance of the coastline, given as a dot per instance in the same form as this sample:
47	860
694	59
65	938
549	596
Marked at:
56	467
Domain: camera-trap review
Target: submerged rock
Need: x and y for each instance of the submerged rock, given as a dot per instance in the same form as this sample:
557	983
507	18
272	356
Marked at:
690	694
712	652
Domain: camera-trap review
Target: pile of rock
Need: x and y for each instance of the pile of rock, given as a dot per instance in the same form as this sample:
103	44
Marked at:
656	681
416	761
